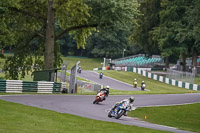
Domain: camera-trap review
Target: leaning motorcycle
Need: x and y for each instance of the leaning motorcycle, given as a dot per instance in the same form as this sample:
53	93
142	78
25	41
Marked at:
99	97
118	111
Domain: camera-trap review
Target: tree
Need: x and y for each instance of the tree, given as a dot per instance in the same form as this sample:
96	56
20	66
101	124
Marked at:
33	22
170	32
108	44
143	33
192	29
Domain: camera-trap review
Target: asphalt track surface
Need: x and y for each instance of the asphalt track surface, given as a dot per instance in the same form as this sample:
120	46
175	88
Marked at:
114	84
81	105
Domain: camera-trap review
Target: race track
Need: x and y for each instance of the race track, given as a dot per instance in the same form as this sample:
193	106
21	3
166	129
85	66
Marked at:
114	84
81	105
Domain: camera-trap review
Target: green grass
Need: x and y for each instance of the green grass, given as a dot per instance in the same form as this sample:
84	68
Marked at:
154	86
197	79
19	118
82	91
26	78
185	117
85	63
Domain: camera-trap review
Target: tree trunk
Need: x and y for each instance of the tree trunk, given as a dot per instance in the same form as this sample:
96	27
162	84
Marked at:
166	62
183	56
49	41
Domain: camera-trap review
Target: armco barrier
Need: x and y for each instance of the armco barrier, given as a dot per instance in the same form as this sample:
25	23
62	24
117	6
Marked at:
14	86
19	86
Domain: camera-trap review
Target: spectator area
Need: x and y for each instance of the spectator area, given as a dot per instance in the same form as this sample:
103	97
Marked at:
138	61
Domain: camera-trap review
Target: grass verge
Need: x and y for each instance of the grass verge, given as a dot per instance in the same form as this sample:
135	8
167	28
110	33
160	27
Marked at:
154	86
185	117
85	63
25	119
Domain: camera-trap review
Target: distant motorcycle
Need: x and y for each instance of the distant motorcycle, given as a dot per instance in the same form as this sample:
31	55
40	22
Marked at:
135	84
99	97
100	76
143	86
118	111
79	71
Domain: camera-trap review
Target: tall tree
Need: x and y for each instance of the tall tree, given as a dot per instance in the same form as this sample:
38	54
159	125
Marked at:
108	44
33	20
169	33
192	30
142	34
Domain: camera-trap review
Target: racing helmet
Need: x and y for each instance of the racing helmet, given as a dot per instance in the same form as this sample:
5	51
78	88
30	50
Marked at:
134	79
107	87
142	81
131	99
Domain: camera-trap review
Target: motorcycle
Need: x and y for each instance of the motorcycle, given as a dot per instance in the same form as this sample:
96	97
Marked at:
118	111
79	70
101	76
135	84
143	87
99	97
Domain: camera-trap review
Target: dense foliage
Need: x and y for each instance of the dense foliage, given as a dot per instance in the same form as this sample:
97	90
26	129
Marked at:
34	28
169	28
39	31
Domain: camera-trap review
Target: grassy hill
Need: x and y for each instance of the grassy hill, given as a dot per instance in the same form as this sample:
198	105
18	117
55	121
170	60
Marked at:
154	87
85	63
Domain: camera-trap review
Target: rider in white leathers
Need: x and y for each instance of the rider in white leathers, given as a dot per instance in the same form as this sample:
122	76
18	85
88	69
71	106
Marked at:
129	104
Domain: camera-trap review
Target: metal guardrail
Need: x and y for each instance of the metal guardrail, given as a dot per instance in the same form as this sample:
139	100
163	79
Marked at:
19	86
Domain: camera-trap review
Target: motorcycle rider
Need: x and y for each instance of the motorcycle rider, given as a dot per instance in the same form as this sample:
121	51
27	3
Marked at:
79	69
142	85
106	91
101	75
129	104
135	83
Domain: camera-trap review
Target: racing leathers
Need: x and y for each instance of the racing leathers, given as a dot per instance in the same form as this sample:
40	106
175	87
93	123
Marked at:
129	105
106	91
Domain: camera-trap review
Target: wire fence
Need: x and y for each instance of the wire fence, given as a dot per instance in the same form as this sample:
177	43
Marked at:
181	76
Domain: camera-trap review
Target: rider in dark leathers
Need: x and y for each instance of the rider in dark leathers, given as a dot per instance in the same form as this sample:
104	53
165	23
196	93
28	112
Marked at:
106	91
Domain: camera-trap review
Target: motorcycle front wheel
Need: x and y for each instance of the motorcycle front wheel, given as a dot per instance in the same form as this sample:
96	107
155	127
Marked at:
109	114
95	101
119	114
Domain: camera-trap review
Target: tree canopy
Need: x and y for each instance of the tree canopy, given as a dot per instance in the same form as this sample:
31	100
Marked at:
169	28
34	28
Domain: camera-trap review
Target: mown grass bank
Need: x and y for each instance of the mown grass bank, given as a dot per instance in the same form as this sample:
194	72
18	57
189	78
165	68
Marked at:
19	118
85	63
154	87
185	117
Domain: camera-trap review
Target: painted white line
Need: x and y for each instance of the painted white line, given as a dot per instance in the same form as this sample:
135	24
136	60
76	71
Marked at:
107	110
